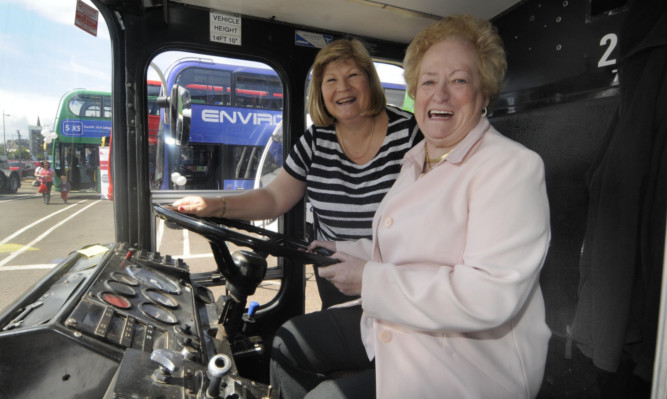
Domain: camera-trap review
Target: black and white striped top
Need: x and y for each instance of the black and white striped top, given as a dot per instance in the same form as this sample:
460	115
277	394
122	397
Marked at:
344	195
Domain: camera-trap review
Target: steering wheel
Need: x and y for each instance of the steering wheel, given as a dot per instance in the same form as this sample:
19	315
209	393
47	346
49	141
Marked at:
244	270
217	231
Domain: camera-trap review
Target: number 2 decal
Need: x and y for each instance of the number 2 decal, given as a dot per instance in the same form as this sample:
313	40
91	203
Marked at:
610	40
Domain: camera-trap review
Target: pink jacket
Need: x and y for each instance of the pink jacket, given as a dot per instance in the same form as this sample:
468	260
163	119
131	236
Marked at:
451	295
46	175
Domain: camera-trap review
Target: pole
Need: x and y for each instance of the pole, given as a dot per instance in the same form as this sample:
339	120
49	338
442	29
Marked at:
19	134
3	131
42	145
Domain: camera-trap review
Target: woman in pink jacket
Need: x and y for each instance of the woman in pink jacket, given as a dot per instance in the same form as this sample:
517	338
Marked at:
449	283
46	174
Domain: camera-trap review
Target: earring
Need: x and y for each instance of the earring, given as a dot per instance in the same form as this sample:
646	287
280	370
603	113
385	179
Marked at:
484	112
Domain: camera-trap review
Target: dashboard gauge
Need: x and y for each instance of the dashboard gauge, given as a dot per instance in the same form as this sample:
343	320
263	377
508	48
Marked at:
124	278
121	288
158	313
160	298
155	279
115	300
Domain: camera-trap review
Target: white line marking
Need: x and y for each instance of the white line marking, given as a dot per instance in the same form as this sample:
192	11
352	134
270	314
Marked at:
158	235
186	243
26	267
46	233
36	223
196	256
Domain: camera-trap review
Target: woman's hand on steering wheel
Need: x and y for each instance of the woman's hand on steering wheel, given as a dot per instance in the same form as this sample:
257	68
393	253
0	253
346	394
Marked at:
198	206
242	234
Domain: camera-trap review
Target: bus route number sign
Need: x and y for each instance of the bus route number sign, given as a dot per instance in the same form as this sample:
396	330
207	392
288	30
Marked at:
72	128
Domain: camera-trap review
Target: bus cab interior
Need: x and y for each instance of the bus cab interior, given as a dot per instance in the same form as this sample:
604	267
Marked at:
585	88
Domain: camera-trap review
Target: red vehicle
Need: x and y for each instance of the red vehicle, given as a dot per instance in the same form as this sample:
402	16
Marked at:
153	87
23	168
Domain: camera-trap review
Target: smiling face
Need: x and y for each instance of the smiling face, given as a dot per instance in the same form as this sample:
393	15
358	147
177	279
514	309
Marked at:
345	90
448	100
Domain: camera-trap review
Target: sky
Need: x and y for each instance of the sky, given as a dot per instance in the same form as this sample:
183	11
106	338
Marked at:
43	55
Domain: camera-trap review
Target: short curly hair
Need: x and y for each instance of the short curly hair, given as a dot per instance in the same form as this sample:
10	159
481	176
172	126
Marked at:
343	49
479	33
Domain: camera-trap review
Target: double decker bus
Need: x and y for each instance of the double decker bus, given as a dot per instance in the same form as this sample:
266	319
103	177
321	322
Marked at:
81	150
235	109
82	122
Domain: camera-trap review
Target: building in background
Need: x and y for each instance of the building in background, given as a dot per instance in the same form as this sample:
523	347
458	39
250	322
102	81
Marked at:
36	140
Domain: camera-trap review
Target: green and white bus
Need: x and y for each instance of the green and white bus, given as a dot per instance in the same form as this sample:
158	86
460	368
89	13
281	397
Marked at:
82	121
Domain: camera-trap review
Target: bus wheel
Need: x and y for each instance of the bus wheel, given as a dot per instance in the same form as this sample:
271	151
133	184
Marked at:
14	183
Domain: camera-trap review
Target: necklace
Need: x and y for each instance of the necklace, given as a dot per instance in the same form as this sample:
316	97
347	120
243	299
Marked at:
432	161
368	144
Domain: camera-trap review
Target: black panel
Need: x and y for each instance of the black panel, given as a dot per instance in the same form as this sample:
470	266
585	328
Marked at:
44	363
555	53
599	7
567	137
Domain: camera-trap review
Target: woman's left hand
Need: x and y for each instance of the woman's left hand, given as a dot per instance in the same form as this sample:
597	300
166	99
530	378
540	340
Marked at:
346	275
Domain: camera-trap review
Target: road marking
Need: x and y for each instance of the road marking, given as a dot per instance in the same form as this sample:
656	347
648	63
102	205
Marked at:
38	222
19	197
4	248
186	243
43	235
195	256
26	267
158	235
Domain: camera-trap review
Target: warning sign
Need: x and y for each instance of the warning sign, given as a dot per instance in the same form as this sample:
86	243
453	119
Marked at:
86	17
225	28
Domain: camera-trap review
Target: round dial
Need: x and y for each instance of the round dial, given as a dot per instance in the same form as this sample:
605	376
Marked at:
158	313
115	300
160	298
155	279
121	288
124	278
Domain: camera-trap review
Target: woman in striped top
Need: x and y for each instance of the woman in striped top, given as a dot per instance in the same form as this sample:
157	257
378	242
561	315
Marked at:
345	194
346	162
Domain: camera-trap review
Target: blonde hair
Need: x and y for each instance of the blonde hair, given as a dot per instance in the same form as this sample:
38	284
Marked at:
343	49
479	33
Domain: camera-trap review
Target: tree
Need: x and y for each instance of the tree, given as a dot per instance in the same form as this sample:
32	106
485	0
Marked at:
14	154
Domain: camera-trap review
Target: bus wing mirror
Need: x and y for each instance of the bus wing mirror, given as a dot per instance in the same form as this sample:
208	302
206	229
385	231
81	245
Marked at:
163	104
180	114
